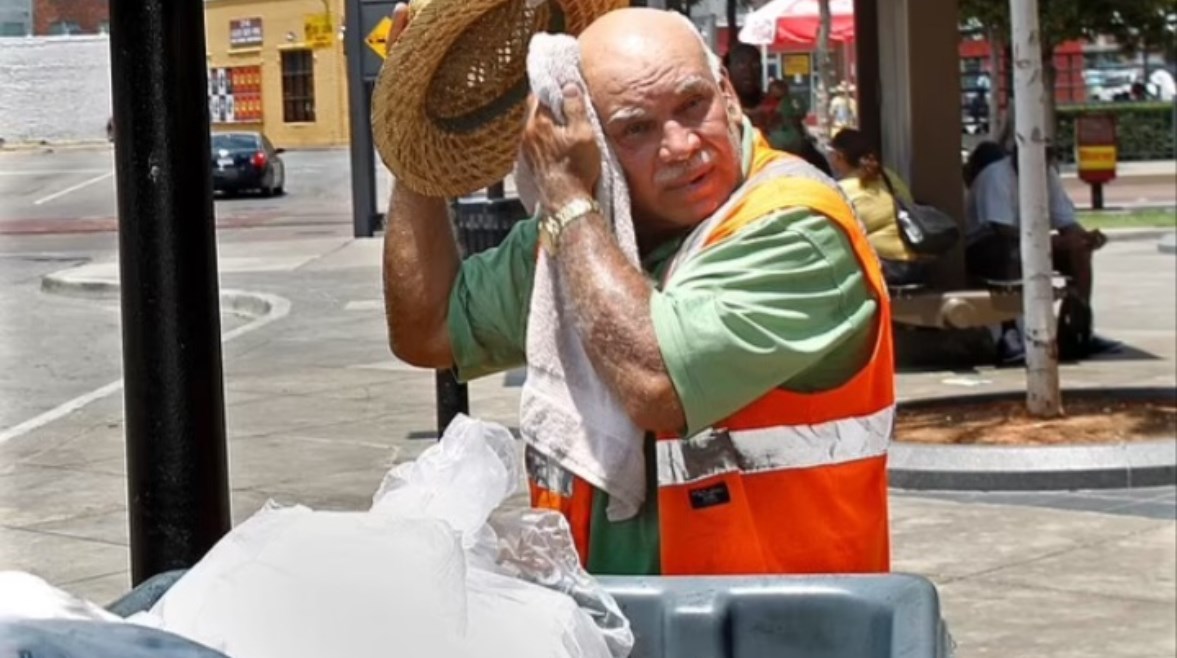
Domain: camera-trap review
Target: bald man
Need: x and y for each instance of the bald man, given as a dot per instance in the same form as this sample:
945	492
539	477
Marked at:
753	344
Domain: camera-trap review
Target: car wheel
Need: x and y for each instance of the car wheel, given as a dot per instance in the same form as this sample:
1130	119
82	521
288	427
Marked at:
268	184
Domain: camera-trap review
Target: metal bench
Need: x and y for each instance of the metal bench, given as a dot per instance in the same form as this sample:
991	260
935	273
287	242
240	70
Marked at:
988	303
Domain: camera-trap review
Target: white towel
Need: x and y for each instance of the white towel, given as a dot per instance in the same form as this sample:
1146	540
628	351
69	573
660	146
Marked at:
567	412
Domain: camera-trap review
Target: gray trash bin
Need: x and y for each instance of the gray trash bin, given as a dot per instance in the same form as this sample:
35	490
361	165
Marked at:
482	224
869	616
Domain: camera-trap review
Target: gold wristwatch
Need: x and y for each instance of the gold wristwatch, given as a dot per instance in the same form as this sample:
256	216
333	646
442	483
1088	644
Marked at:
553	225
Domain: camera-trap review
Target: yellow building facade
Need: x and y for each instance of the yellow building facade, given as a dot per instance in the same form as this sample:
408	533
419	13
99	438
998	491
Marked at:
278	66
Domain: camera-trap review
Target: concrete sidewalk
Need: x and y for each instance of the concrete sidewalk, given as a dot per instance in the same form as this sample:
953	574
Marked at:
318	410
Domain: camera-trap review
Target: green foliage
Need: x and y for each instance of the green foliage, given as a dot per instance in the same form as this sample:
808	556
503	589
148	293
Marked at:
1132	23
1144	130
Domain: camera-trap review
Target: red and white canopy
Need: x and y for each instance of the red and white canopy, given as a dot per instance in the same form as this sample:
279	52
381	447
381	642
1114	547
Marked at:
796	22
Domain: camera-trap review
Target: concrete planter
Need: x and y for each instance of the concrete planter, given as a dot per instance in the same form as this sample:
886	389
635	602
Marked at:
1035	468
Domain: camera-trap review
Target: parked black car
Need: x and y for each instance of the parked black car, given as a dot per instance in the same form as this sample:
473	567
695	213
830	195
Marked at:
247	161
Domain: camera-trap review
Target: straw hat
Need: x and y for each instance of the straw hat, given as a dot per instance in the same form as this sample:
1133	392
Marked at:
448	106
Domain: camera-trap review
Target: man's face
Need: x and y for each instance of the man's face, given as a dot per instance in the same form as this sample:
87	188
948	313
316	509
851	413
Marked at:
674	129
747	77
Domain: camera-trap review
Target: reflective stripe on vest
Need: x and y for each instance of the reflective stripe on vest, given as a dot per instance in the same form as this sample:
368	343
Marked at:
785	447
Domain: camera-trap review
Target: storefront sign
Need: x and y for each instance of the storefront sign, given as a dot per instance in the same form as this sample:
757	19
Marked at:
245	33
796	64
1095	147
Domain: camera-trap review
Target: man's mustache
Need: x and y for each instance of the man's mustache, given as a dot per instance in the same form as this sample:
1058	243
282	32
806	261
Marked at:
680	173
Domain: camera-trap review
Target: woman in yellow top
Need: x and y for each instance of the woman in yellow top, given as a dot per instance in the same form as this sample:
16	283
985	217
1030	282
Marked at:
872	188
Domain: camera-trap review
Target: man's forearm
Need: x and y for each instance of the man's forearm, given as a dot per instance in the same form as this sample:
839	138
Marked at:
612	300
420	266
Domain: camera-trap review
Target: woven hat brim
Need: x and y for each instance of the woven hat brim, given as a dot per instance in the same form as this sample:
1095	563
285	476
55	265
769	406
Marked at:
449	157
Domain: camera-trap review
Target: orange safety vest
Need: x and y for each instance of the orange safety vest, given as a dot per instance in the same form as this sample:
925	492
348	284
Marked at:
793	482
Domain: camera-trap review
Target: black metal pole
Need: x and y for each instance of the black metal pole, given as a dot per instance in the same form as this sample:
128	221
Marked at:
365	219
453	398
732	28
177	479
1097	196
866	59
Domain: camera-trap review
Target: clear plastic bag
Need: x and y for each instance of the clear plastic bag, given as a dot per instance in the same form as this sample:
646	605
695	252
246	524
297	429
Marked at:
465	478
422	573
536	546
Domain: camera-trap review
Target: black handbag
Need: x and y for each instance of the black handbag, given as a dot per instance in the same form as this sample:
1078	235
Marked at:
926	230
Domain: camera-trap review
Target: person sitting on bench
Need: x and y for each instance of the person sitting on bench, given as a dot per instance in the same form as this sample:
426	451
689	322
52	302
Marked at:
872	189
992	240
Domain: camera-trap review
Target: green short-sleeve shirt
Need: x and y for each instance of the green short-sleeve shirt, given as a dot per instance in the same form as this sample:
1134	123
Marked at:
783	302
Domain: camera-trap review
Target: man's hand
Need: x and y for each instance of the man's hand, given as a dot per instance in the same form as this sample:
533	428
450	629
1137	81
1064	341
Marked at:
611	296
564	158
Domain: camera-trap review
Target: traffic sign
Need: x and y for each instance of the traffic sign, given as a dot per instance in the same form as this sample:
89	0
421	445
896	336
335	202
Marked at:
377	39
317	31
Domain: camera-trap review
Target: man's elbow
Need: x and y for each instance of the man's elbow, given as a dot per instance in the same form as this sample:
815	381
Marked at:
656	406
421	350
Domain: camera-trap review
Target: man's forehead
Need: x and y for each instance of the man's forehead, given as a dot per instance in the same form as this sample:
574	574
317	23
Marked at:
626	102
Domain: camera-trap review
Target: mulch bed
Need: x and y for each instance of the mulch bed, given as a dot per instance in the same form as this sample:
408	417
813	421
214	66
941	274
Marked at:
1087	421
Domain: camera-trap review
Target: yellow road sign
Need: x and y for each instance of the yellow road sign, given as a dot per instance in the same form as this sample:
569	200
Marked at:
317	31
377	39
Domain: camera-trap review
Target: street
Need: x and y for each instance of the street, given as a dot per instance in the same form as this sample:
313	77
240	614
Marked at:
74	191
71	191
58	210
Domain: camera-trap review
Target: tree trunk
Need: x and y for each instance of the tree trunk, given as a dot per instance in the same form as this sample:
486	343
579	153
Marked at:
1043	398
823	75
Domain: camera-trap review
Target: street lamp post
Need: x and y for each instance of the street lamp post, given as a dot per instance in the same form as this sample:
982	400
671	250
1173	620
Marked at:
178	494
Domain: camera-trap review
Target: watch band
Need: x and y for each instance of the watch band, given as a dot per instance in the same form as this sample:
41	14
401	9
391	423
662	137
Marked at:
553	225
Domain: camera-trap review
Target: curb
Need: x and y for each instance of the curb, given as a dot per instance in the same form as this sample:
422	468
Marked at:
1168	244
238	302
1034	468
1135	234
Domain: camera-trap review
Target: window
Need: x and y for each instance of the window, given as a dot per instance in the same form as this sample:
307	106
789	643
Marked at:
298	86
13	29
65	28
235	142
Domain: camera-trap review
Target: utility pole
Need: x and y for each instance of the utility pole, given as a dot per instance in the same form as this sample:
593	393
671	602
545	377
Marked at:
1043	397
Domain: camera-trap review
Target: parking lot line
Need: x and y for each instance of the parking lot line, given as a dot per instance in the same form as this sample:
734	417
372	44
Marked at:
50	172
73	188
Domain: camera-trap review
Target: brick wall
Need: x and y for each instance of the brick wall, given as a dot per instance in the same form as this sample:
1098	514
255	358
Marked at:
87	14
55	89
